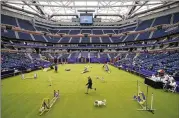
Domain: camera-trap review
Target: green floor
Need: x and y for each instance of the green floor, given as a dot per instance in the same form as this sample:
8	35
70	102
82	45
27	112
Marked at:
22	98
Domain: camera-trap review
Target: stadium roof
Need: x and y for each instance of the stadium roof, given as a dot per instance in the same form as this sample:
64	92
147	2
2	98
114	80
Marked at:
107	10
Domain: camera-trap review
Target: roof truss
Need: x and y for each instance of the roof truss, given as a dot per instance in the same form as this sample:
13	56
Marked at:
108	10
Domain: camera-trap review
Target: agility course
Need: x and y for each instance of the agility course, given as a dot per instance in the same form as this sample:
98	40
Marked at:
47	103
118	90
144	98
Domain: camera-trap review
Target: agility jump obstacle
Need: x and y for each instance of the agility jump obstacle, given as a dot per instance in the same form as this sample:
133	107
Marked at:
142	98
47	103
29	77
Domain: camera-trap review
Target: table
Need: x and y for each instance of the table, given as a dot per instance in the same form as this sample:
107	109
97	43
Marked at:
154	84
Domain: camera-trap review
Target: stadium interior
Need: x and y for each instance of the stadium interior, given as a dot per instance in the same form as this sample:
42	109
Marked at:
137	39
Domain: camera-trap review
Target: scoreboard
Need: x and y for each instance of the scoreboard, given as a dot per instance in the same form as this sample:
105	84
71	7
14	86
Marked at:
86	19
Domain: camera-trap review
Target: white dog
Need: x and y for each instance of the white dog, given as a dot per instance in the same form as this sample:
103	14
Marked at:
100	103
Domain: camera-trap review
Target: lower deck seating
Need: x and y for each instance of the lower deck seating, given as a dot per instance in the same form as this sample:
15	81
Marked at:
150	63
21	61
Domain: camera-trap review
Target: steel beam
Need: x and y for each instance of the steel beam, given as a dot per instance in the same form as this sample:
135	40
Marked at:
93	0
63	15
108	15
79	6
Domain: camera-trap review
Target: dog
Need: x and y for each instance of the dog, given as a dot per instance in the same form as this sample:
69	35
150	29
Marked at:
100	103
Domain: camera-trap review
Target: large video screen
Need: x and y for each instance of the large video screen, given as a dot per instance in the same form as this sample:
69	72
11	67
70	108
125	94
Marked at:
86	19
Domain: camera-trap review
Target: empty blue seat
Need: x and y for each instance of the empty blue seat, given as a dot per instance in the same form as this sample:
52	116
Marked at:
176	18
162	20
41	29
65	40
48	38
54	31
39	38
115	39
24	24
116	31
159	33
74	32
8	33
85	40
108	31
143	36
159	21
75	40
86	31
142	26
64	31
105	40
121	38
130	37
54	39
24	36
97	32
8	20
95	40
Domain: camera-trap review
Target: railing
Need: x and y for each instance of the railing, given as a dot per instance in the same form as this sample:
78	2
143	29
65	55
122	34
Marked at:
151	29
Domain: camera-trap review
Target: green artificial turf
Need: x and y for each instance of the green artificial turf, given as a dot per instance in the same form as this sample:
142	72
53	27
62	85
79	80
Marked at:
22	98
